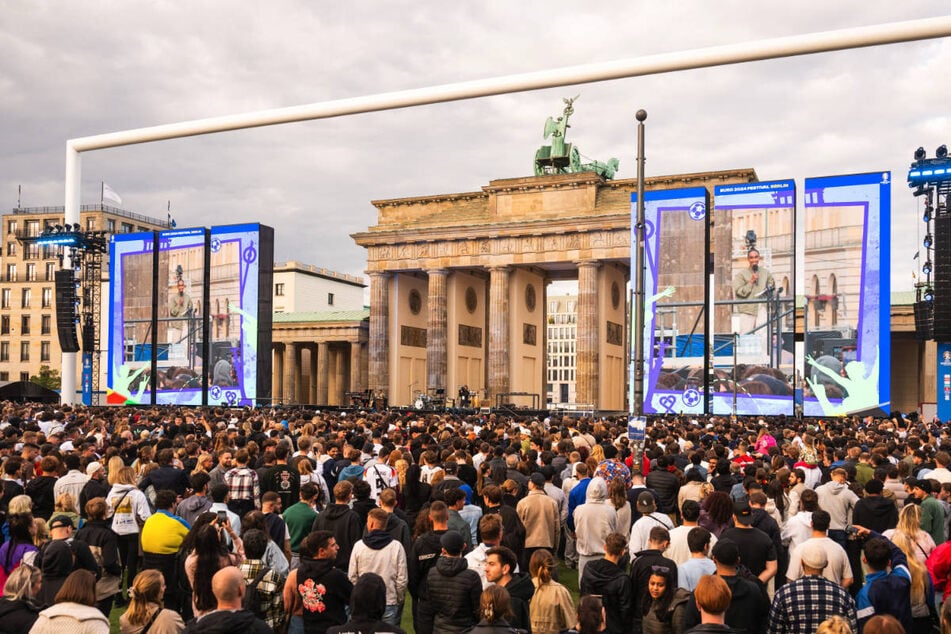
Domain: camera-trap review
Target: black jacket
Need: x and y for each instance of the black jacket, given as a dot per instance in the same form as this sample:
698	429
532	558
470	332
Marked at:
521	590
17	617
749	608
92	489
344	523
487	628
41	490
667	486
99	534
607	579
335	599
875	512
453	597
425	553
228	622
166	477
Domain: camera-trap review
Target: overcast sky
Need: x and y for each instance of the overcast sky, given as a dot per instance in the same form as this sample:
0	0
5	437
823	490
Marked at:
72	69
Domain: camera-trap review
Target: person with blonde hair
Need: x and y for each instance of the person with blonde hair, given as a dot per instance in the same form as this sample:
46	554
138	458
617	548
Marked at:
18	607
112	469
65	505
552	608
129	509
146	612
834	625
909	525
922	592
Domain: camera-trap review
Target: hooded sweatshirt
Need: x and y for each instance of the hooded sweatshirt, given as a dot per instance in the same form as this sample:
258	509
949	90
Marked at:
325	592
344	523
366	609
749	607
875	512
379	553
521	590
71	617
594	520
606	578
838	500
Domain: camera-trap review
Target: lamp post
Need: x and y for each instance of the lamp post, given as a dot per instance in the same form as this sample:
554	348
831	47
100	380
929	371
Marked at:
640	303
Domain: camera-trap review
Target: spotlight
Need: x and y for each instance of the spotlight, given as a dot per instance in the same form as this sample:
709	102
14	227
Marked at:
57	228
942	151
920	154
928	213
929	294
928	241
750	239
76	227
926	269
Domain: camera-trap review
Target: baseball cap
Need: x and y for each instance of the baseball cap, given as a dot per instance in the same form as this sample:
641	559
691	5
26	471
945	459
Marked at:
726	552
93	467
453	542
60	521
813	555
645	503
742	512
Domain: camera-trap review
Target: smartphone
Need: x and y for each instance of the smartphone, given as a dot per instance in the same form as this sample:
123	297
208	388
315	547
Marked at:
223	517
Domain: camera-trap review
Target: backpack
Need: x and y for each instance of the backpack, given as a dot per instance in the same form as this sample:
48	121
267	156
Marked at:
252	598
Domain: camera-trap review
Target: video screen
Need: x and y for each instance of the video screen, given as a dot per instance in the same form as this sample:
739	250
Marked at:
847	294
186	303
754	266
675	298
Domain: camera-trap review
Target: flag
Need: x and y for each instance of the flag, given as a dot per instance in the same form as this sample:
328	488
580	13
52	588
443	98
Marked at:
109	193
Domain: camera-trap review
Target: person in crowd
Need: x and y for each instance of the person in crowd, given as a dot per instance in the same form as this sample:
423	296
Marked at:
650	519
451	603
664	606
129	509
146	612
606	578
644	563
18	607
266	582
209	556
757	550
228	615
95	487
300	518
540	517
500	566
887	588
40	488
594	521
73	609
319	590
22	529
495	612
933	520
104	545
198	502
590	617
490	528
342	521
161	538
716	511
244	488
712	596
552	608
679	550
379	553
838	569
367	604
699	564
875	511
909	525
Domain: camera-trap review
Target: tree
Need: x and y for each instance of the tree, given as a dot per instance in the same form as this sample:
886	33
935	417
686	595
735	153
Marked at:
48	378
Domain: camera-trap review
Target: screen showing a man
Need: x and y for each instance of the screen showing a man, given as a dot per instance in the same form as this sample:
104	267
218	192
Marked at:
752	283
180	303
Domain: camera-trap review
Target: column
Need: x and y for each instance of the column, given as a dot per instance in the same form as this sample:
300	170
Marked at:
436	351
277	374
340	377
498	380
586	373
290	373
323	371
379	348
313	374
355	385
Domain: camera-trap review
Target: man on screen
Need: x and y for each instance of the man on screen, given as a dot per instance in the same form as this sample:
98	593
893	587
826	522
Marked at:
180	303
751	283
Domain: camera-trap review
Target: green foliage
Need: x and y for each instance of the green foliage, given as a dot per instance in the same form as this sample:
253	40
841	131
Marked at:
48	378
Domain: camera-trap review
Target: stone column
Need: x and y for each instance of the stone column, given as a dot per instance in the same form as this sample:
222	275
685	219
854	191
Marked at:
379	361
323	371
277	374
313	373
586	373
290	373
436	351
498	380
355	385
340	377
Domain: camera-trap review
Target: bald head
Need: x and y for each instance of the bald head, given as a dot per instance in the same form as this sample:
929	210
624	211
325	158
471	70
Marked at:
228	587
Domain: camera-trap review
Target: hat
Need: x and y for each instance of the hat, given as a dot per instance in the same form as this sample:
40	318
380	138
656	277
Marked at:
60	521
453	542
813	555
93	467
742	512
924	485
645	502
538	479
726	552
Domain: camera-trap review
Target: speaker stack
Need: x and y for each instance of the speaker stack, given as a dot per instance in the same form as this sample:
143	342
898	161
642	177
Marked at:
66	315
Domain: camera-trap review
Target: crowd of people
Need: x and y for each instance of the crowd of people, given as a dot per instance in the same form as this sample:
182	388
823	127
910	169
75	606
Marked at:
258	520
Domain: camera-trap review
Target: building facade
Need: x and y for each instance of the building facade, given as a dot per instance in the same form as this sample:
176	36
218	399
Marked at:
562	339
305	288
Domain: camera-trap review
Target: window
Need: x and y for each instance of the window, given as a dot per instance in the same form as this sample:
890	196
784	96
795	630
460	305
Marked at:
25	352
5	298
25	298
11	248
5	325
330	299
4	351
24	376
90	224
47	298
50	271
49	252
4	376
111	225
33	228
46	325
279	289
11	226
25	325
44	351
126	227
31	252
30	272
11	272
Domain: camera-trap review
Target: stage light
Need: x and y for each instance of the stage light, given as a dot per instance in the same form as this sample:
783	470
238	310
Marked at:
928	241
76	227
928	212
929	295
920	154
57	228
942	151
926	269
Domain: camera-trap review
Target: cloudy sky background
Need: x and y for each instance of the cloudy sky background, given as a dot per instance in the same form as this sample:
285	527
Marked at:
78	69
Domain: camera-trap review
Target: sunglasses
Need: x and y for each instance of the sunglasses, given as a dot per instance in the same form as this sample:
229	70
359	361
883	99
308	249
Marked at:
664	570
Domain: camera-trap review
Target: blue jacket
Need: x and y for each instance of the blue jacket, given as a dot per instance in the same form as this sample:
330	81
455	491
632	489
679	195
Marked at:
576	498
887	592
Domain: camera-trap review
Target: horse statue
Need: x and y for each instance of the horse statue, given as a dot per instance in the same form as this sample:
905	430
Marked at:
564	158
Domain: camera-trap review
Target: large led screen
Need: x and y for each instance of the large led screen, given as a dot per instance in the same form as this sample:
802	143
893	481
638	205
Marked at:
675	291
847	294
754	250
185	325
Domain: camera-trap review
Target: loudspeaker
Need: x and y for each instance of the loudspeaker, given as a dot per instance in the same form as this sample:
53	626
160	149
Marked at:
924	320
66	310
942	278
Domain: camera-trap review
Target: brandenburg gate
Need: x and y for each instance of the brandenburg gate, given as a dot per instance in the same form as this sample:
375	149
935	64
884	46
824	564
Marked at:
458	285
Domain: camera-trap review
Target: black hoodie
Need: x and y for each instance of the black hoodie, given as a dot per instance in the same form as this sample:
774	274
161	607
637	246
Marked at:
228	622
875	512
335	598
344	523
607	579
749	608
17	616
521	590
367	604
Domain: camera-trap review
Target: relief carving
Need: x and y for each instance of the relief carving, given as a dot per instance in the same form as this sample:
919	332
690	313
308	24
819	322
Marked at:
470	336
414	337
615	334
529	334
